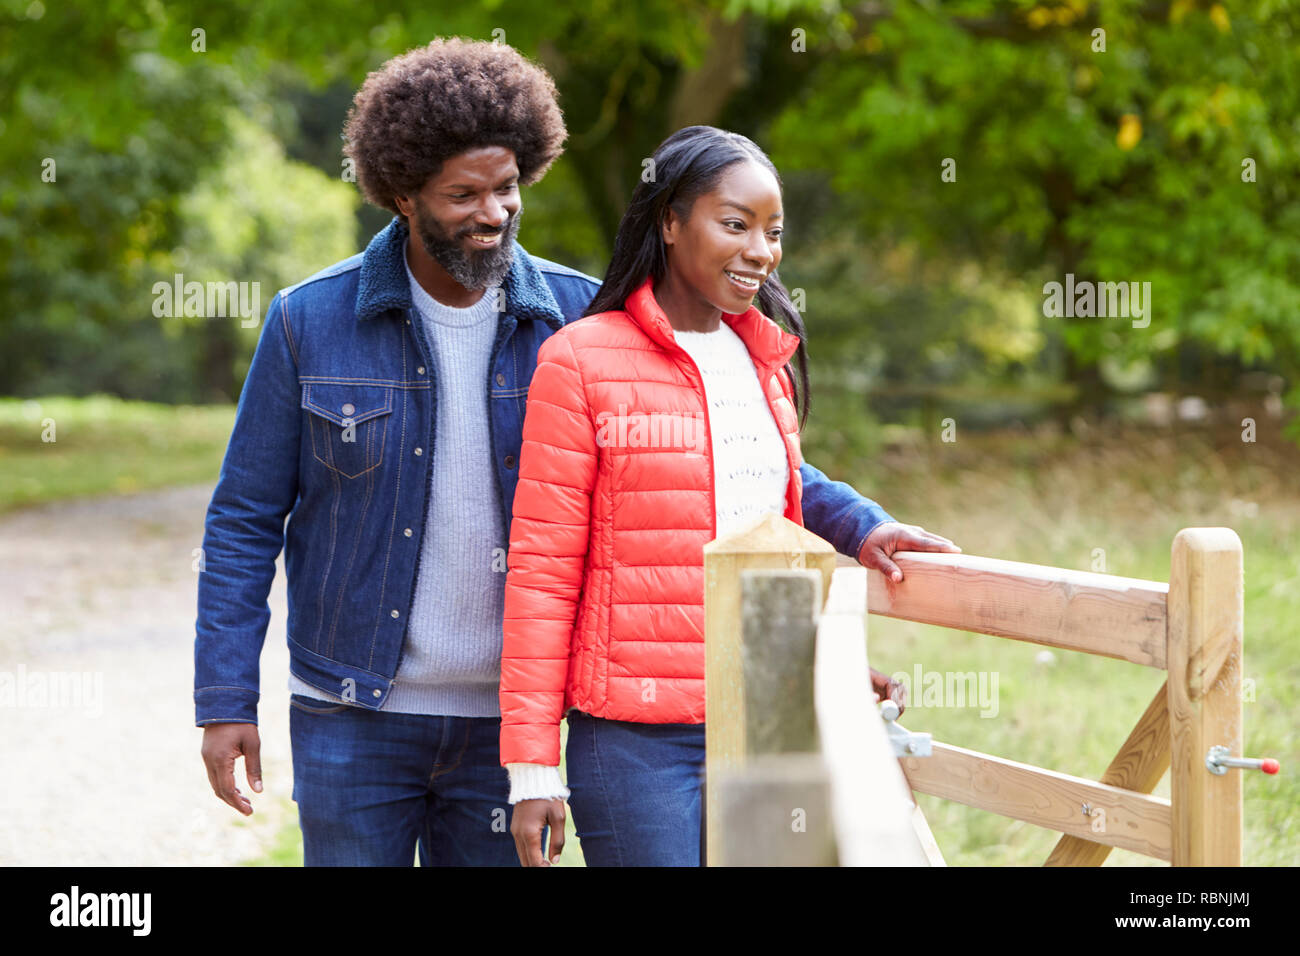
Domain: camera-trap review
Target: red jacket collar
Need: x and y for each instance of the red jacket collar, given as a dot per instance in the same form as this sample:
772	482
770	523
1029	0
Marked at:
769	345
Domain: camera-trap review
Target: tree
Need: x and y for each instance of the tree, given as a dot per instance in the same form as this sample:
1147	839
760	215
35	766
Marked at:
1114	156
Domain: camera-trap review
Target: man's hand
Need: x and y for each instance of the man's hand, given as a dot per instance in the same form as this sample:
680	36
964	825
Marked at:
222	743
892	536
886	688
528	824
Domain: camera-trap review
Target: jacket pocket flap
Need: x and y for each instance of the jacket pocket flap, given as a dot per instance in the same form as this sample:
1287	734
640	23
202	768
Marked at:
347	404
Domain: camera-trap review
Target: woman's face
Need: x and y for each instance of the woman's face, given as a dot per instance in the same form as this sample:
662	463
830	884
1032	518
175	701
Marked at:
732	241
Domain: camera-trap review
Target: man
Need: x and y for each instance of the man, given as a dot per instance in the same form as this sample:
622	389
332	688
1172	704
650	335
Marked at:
383	415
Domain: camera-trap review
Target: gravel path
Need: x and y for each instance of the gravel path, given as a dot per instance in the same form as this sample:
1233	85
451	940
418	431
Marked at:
100	753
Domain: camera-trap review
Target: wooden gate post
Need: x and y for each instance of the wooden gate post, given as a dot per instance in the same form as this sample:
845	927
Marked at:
1204	656
773	543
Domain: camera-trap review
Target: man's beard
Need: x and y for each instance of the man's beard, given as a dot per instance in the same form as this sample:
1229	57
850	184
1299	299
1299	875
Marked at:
477	269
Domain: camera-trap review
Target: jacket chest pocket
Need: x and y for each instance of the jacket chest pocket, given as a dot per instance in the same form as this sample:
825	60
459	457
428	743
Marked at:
348	425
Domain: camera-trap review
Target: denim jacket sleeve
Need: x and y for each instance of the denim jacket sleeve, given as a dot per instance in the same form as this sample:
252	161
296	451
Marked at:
835	511
244	530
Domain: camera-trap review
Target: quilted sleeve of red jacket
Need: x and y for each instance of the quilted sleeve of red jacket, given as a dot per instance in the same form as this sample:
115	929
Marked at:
547	556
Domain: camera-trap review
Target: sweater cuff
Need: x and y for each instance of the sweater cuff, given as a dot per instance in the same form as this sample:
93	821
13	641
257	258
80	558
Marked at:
535	781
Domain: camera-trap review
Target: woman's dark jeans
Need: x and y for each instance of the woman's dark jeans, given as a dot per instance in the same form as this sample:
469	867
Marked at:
637	791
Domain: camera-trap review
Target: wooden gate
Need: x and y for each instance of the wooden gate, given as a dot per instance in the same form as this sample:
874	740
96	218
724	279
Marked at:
791	716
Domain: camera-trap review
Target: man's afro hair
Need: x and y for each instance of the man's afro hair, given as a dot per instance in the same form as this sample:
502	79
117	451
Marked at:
422	108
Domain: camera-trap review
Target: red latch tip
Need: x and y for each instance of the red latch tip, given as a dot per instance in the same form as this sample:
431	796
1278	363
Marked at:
1269	765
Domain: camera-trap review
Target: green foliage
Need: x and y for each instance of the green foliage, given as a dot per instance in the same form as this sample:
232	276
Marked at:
258	218
97	147
154	172
1122	165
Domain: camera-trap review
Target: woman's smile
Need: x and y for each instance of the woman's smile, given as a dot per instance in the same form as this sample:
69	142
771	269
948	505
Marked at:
746	283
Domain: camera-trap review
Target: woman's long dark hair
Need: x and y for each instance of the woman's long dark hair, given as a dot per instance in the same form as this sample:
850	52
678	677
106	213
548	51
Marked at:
687	165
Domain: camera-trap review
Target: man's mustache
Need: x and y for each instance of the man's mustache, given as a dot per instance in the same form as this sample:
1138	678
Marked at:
471	231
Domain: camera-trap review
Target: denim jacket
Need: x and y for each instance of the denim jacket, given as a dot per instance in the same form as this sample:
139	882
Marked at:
334	430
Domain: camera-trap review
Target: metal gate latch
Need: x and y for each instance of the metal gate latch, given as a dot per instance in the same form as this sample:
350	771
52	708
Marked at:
1217	761
905	743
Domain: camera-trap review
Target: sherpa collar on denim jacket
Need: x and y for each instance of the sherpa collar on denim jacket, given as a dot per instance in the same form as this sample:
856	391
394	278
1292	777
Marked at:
384	286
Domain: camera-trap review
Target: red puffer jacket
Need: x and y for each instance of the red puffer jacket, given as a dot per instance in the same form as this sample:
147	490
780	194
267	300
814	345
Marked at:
604	607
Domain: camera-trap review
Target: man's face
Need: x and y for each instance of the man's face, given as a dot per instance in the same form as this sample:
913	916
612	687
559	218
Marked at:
467	216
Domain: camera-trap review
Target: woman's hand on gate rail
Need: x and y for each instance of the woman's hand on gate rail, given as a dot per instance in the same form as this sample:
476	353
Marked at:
890	536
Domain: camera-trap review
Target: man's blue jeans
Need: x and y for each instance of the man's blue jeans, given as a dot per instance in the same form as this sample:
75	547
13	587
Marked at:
371	786
636	791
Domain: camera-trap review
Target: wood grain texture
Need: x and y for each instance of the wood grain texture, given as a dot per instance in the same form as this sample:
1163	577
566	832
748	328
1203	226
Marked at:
1045	798
775	810
1206	621
1138	766
779	611
770	543
1123	618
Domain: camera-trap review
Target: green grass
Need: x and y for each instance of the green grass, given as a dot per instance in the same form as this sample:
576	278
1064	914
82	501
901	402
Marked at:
103	445
287	848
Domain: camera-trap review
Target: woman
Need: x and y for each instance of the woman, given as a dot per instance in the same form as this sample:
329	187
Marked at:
661	420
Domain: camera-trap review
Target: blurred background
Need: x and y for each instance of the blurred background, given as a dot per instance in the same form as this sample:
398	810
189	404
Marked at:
941	163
